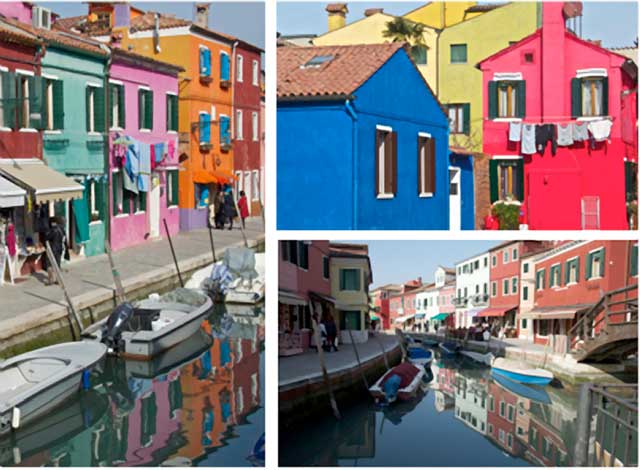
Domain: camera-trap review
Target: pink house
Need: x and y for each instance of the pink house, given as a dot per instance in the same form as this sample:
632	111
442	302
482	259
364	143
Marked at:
555	78
143	138
20	11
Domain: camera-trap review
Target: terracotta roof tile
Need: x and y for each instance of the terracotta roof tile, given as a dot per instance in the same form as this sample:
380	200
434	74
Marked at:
348	69
337	8
13	34
147	21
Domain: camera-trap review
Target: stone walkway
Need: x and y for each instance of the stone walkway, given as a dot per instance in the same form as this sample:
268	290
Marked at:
307	365
94	274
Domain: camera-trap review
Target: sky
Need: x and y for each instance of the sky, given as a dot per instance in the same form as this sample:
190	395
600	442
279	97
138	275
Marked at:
244	20
394	261
615	23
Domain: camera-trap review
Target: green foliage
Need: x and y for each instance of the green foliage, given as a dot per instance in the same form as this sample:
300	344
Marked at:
402	30
508	215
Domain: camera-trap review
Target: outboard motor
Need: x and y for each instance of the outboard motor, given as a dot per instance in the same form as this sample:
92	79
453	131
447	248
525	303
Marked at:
117	323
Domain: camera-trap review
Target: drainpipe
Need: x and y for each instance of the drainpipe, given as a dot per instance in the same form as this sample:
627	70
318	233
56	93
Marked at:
37	65
107	109
233	97
354	155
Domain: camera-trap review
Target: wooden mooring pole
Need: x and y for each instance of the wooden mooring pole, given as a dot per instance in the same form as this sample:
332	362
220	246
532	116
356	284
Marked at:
355	350
325	375
213	248
56	269
120	297
173	253
400	337
384	353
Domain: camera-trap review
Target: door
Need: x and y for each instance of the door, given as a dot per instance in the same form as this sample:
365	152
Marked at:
154	207
247	188
454	198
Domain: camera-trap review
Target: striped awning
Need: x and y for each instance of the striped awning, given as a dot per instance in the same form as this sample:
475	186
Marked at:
496	311
558	313
290	298
11	195
47	184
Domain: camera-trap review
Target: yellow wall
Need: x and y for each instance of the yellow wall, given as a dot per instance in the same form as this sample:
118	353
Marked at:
369	30
484	36
351	300
433	13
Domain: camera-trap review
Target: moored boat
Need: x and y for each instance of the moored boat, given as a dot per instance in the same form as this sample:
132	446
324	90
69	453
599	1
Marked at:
486	358
532	392
420	356
449	348
399	383
34	383
521	372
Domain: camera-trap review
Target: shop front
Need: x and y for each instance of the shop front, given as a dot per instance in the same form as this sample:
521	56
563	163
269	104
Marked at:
501	320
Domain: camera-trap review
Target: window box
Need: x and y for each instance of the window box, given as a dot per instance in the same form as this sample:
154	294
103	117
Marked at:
55	144
205	146
205	79
95	145
226	147
225	83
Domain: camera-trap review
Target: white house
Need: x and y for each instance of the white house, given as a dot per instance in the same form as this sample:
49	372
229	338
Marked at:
472	288
471	402
430	300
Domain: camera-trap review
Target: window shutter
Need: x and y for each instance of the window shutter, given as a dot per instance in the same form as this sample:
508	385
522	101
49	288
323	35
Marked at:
174	112
493	179
168	112
121	108
203	62
466	118
98	109
520	177
394	162
202	128
567	269
634	261
87	107
587	270
114	193
431	166
376	186
58	104
174	187
342	283
140	109
38	103
224	67
207	55
149	109
521	98
602	262
112	98
357	279
493	99
577	261
420	167
9	102
605	96
576	97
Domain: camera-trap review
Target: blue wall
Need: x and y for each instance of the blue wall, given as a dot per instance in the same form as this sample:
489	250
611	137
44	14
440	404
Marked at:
467	192
315	164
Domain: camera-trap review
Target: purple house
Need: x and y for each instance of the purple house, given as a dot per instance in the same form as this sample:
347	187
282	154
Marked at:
143	144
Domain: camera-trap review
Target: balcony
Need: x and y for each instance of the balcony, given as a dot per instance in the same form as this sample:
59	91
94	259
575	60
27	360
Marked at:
460	301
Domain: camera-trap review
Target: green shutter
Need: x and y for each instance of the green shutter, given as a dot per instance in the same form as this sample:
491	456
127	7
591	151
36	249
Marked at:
567	269
602	261
87	108
466	118
111	90
98	109
493	99
576	97
493	179
37	102
19	98
148	110
140	109
587	270
634	260
174	109
521	98
520	176
577	261
58	104
168	113
143	201
605	96
9	99
121	108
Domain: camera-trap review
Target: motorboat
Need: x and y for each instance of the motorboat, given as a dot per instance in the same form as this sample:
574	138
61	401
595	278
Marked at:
449	348
398	383
486	358
35	383
146	328
521	372
532	392
420	356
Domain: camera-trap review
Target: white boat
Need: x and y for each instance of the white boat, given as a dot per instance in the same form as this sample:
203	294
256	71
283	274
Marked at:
34	383
148	327
486	358
412	376
521	372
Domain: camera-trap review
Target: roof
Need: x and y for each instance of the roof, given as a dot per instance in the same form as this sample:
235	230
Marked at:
630	52
350	67
349	249
16	35
503	244
396	287
147	62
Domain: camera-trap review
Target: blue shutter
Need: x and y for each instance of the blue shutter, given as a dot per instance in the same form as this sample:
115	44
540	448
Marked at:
203	62
205	128
207	55
225	67
225	135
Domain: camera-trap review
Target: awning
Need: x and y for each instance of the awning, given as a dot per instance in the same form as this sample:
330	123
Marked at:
290	298
496	311
205	177
473	312
440	317
404	319
551	313
47	184
420	315
10	194
324	297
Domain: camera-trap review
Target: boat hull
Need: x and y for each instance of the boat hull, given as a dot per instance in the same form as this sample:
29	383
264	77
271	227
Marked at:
405	393
536	394
523	377
448	349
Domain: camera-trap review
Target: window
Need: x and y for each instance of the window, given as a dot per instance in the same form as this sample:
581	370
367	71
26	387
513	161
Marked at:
459	118
240	66
225	132
554	276
491	404
350	279
94	109
476	264
572	271
505	287
484	288
524	322
507	99
427	164
225	67
595	264
24	100
303	255
419	54
325	267
116	97
95	195
255	73
386	161
514	254
254	126
506	177
205	62
514	285
633	270
494	260
525	293
7	87
510	413
145	109
505	256
172	112
172	187
255	185
289	251
116	185
54	104
494	289
239	133
205	128
485	262
458	53
509	440
525	267
139	202
502	408
589	96
540	279
350	320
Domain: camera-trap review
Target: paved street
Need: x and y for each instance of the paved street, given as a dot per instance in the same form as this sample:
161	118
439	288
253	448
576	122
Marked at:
307	365
94	274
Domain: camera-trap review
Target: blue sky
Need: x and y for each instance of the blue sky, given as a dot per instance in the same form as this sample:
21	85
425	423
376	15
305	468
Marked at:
615	23
395	261
244	20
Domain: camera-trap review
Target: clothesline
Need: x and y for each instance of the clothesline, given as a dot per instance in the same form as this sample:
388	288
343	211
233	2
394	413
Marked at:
555	118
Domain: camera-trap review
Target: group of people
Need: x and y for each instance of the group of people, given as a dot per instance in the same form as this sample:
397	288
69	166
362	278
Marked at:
328	332
225	210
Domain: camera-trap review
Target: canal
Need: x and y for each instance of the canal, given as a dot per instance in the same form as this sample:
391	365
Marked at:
201	403
462	418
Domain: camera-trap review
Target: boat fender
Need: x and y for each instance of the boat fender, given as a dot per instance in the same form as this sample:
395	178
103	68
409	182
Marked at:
15	418
86	380
17	456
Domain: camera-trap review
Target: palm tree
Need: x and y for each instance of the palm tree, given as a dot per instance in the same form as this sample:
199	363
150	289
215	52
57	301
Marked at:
402	30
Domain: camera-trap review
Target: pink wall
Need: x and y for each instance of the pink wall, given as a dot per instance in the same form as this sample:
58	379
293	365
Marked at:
554	185
20	11
300	281
128	230
448	292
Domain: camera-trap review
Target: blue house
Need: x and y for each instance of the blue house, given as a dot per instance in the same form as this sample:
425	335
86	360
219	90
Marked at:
461	189
362	141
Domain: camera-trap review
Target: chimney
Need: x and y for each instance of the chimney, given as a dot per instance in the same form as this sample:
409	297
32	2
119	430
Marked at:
555	100
202	15
373	11
337	15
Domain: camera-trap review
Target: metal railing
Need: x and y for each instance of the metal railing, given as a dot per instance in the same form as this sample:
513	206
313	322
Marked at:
607	426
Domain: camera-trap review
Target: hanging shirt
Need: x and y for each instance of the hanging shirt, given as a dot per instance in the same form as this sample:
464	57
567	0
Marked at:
579	131
144	178
601	129
515	131
544	134
528	144
565	135
159	152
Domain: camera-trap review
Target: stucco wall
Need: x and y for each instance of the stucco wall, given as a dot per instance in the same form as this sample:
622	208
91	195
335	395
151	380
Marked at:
20	11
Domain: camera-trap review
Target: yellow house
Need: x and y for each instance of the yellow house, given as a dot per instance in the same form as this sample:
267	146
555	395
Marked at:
441	15
350	273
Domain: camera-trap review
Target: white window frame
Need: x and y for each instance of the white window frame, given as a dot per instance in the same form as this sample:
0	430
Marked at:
119	197
167	117
255	185
505	256
514	292
3	128
535	280
143	87
551	276
25	93
381	154
115	104
92	124
239	125
570	282
423	162
169	184
239	182
508	289
592	271
239	68
255	69
494	283
255	132
514	254
507	77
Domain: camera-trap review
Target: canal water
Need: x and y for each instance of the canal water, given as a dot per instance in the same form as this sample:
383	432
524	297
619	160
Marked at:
462	418
201	404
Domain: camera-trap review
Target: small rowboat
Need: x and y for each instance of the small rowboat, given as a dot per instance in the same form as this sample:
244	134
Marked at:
449	349
481	358
521	372
534	393
399	383
420	356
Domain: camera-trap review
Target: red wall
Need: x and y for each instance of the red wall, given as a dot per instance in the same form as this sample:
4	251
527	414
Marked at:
383	307
498	422
301	281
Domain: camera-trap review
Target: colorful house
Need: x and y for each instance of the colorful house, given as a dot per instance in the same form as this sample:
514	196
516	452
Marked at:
380	297
554	83
143	121
387	158
472	289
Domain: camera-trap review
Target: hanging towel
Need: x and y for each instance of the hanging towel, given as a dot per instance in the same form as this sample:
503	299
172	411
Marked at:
515	131
119	155
565	137
132	168
579	131
544	134
601	129
144	178
528	145
159	152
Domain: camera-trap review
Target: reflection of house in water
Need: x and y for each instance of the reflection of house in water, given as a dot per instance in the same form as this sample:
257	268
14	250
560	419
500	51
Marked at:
471	401
360	442
443	401
501	420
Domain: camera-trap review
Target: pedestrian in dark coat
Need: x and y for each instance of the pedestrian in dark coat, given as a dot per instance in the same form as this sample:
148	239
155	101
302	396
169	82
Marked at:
219	204
230	211
56	237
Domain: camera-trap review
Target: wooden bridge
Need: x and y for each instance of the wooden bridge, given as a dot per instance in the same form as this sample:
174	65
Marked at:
608	331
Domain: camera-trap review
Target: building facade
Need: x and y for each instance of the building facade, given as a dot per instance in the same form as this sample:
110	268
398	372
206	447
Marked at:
472	289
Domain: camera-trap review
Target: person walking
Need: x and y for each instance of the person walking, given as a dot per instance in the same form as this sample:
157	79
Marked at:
332	331
57	238
219	208
243	206
230	211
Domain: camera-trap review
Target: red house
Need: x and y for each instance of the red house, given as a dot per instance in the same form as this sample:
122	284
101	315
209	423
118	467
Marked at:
501	419
402	305
248	132
381	299
559	88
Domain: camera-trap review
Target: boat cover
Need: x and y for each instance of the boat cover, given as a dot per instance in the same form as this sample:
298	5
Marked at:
406	371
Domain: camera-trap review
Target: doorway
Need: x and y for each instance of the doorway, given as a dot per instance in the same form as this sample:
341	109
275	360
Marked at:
454	198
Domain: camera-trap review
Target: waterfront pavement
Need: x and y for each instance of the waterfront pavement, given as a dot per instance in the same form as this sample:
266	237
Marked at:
306	366
138	264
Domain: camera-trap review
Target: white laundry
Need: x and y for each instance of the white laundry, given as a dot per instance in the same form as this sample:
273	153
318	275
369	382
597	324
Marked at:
601	129
515	130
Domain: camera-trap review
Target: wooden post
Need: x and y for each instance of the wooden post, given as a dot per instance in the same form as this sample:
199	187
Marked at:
583	429
384	353
213	249
355	350
120	297
325	375
56	270
401	341
173	253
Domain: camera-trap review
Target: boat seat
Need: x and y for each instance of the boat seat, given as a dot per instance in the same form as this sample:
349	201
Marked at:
171	315
37	370
12	382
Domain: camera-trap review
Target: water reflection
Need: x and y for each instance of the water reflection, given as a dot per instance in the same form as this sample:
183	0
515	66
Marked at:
181	408
464	417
